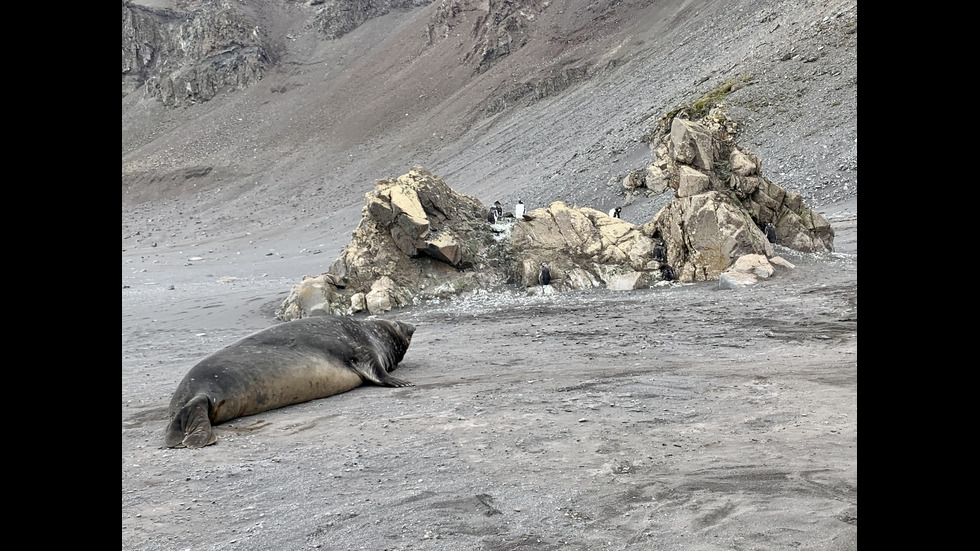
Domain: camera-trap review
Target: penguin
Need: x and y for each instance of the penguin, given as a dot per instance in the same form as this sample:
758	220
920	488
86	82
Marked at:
614	213
667	273
659	253
492	216
544	276
770	232
519	209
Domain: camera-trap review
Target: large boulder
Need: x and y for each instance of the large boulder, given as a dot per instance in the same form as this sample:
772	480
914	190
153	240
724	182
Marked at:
749	269
705	234
691	143
693	157
584	248
417	239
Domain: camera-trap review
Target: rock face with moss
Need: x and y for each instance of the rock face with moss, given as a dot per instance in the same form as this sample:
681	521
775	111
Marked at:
722	202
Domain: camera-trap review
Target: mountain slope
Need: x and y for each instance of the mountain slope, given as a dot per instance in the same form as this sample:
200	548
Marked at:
536	100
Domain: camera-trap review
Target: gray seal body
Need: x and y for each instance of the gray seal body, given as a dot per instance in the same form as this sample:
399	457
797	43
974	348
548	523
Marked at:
285	364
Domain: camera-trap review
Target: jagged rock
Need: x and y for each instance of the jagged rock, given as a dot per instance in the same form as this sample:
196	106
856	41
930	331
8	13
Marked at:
656	179
382	296
444	247
693	157
335	18
399	208
745	186
701	156
691	181
704	234
580	278
692	144
358	302
584	248
499	27
744	163
748	270
188	56
804	231
417	239
635	179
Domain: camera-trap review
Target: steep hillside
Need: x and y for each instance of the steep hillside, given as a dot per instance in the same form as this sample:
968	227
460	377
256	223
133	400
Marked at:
538	100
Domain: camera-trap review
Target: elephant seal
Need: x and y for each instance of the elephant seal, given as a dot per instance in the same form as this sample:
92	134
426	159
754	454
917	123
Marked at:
285	364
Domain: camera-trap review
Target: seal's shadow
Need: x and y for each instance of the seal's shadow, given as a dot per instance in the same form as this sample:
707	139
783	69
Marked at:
142	417
252	427
265	426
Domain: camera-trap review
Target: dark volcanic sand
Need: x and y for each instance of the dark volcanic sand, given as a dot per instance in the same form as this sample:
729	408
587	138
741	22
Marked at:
676	417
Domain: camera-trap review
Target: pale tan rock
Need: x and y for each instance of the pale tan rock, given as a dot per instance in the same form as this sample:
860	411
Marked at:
755	264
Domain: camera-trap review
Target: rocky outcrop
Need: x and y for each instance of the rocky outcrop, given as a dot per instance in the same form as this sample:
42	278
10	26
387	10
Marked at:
188	55
417	239
722	201
705	233
584	248
335	18
183	57
538	88
503	30
499	27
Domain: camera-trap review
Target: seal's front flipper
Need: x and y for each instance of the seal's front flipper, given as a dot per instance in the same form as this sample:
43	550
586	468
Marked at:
191	426
372	372
388	380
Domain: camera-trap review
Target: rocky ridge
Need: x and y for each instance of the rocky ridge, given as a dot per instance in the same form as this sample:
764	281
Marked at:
182	57
420	240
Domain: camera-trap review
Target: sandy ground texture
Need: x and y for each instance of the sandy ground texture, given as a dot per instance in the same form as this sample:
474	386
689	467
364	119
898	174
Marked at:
675	417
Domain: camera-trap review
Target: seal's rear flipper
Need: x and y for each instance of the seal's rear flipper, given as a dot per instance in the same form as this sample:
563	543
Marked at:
191	426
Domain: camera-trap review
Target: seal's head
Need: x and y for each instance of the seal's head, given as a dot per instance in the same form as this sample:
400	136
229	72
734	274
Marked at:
406	330
397	335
